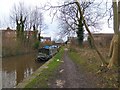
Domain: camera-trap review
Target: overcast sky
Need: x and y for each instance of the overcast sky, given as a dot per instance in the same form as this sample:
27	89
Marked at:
6	6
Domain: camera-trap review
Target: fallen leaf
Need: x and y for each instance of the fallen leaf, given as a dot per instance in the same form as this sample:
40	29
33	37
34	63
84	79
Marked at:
61	70
60	83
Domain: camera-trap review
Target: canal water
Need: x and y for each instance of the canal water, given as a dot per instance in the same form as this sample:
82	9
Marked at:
17	68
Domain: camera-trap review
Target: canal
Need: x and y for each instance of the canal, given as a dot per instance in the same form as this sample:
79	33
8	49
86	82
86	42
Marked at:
17	68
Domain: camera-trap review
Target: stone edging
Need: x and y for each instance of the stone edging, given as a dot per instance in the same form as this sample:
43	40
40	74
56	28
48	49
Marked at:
34	75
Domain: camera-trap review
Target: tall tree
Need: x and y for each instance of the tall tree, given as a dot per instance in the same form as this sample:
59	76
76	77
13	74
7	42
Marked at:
37	21
69	14
80	32
115	43
27	18
19	15
119	31
90	34
79	15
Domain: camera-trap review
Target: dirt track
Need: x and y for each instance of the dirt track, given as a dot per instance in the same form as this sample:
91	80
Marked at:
70	76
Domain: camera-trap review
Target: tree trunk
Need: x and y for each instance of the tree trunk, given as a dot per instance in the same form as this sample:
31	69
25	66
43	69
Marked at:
119	50
90	34
115	43
119	30
114	51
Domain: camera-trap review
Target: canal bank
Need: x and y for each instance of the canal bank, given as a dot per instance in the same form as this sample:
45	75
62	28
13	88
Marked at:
45	72
60	72
17	68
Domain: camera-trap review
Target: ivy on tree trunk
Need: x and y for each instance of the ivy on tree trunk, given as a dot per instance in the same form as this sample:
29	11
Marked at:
91	36
80	32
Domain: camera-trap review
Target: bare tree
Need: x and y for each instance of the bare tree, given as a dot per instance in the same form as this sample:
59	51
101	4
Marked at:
36	21
92	38
115	43
74	16
65	29
69	15
119	32
26	19
114	48
19	15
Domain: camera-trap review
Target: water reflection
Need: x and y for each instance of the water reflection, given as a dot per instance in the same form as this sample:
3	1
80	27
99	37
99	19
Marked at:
15	69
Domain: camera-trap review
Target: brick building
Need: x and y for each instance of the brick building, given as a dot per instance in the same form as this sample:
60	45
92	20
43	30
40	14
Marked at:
9	36
11	45
46	39
103	39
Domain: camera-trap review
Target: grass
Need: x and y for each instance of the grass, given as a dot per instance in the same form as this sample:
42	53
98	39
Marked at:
85	62
41	81
89	61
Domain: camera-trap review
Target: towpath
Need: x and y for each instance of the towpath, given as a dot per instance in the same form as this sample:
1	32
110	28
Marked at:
70	76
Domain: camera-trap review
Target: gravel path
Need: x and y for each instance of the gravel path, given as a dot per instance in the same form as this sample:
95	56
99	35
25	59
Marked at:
70	76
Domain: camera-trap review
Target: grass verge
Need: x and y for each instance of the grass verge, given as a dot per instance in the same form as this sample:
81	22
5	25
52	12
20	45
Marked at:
89	62
41	81
86	63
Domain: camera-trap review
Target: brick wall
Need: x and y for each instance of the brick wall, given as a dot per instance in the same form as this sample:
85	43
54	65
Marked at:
103	40
11	45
